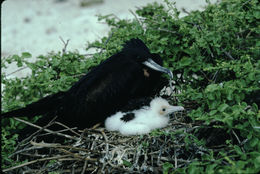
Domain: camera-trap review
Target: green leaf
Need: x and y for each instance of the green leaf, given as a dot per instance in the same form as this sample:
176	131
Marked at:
15	57
250	135
212	87
213	112
229	94
166	167
210	169
257	162
26	55
251	76
19	63
211	96
223	107
238	150
254	141
127	163
185	61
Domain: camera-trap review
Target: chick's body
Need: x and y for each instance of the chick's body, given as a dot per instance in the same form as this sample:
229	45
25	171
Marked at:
144	120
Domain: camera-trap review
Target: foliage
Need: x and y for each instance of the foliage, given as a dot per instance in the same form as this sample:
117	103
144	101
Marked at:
49	74
216	54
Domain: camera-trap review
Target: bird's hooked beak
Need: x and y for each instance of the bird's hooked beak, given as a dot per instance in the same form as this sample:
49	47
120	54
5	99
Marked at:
153	65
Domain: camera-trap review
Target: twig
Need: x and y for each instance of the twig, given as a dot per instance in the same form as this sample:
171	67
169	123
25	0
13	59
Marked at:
108	39
84	167
185	11
30	137
107	147
205	76
77	156
42	144
34	155
96	126
166	30
34	161
236	136
175	160
140	23
63	130
72	154
238	140
59	123
163	29
20	69
228	54
214	78
54	145
47	130
133	13
248	34
246	2
65	45
23	150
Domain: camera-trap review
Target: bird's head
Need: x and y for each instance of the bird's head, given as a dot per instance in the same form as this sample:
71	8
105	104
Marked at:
141	54
161	107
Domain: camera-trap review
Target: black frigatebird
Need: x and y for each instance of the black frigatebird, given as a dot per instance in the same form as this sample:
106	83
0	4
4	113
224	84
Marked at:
132	73
143	120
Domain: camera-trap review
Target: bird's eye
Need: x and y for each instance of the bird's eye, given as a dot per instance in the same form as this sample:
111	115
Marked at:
163	109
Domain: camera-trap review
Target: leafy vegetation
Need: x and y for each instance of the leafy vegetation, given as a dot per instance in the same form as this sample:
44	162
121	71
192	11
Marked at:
216	52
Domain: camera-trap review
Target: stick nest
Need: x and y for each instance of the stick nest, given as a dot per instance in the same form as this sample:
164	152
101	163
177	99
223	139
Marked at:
98	151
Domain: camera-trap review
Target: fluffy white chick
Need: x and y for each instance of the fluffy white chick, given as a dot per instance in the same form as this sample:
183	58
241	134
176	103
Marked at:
143	120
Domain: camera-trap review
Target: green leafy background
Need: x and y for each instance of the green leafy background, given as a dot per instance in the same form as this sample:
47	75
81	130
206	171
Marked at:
216	52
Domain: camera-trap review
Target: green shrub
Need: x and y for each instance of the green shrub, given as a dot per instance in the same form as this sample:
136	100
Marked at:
216	52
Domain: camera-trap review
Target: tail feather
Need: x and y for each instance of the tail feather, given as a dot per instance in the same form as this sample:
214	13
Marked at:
42	106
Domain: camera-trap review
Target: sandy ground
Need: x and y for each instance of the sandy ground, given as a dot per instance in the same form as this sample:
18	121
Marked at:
36	26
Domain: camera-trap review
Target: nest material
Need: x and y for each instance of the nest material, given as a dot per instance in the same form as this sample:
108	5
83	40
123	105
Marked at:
99	151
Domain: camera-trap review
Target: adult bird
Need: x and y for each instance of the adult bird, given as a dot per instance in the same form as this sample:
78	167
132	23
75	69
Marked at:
132	73
143	120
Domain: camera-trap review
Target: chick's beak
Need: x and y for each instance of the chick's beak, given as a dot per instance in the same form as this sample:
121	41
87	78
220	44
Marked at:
172	109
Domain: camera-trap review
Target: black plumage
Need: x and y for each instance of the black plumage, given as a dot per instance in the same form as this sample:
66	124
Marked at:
125	76
128	116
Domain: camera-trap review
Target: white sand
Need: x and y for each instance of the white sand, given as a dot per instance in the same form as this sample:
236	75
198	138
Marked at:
36	26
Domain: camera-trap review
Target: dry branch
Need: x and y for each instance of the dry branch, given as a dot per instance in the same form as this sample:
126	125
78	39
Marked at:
47	130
